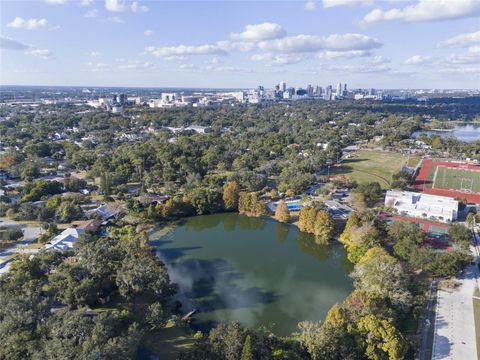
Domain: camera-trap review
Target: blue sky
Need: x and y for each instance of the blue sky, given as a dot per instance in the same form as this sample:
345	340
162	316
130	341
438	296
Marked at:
366	43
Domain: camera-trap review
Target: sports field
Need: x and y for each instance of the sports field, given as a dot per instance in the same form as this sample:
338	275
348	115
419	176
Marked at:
454	178
369	166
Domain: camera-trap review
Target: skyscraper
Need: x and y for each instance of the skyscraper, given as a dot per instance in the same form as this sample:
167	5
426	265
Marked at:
339	89
283	85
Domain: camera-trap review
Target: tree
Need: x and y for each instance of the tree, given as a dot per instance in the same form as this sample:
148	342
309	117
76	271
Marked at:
323	226
470	219
306	220
231	192
408	237
69	211
401	180
282	213
248	204
460	235
247	352
381	274
382	339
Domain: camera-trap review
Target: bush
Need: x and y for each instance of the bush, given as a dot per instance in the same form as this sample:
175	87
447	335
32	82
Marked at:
10	234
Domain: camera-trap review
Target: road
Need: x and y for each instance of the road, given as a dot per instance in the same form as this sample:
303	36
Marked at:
428	314
30	234
454	334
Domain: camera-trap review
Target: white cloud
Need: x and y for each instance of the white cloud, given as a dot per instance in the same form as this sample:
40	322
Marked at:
120	6
91	14
310	5
211	68
461	40
115	6
56	2
332	3
136	7
41	53
242	46
136	65
30	24
377	60
185	50
419	60
98	67
265	31
426	10
215	60
309	43
343	54
281	59
94	54
472	56
86	2
174	58
148	32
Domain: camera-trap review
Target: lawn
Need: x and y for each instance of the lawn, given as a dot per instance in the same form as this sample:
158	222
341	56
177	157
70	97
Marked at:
169	341
369	166
456	179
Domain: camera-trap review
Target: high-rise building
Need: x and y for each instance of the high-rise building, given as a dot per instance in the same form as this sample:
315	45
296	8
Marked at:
309	90
345	89
339	89
283	85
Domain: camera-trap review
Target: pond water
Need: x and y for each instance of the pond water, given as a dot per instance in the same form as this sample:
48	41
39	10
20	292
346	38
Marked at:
255	271
463	132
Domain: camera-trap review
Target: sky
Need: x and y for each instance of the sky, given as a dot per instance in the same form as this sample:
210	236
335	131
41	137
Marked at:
241	44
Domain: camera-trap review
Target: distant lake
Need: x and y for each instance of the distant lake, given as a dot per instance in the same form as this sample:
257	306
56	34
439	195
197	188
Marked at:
255	271
463	132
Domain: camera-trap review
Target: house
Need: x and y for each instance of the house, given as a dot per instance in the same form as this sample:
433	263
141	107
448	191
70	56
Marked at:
90	226
107	211
65	240
421	205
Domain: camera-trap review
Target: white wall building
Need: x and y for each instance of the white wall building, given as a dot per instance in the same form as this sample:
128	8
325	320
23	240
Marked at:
64	240
420	205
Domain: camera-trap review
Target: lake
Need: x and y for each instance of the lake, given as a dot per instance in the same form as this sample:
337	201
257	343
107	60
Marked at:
256	271
463	132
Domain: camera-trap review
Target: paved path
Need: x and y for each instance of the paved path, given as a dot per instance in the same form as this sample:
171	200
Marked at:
454	336
30	234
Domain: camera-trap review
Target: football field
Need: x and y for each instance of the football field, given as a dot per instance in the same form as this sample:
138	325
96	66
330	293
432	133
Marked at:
455	179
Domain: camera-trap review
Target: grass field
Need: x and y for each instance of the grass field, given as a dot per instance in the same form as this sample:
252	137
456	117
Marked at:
456	179
369	166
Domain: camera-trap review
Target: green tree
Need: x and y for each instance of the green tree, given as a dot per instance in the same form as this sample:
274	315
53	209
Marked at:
247	351
460	235
408	237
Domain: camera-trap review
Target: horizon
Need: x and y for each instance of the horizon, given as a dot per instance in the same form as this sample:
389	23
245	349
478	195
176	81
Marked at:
414	44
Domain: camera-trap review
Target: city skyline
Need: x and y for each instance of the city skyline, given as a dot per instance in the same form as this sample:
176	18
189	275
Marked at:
412	44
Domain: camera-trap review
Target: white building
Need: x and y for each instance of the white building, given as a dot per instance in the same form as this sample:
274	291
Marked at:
64	240
420	205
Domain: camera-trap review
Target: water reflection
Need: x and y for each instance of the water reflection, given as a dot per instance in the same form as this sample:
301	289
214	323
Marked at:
274	275
308	244
282	230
